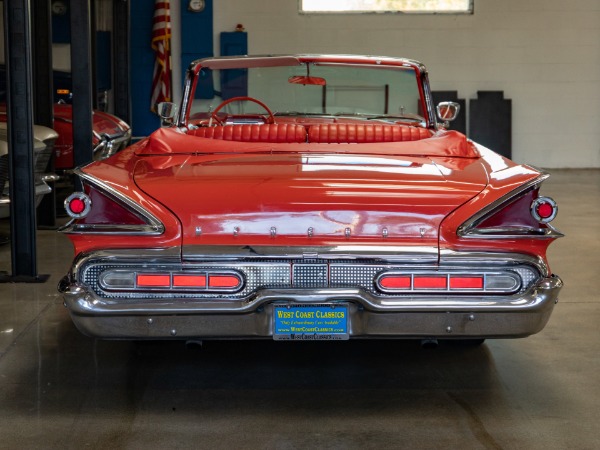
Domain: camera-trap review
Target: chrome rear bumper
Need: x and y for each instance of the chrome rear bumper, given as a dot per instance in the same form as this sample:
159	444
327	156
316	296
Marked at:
370	316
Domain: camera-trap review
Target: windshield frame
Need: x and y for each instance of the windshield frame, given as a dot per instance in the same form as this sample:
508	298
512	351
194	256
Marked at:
244	62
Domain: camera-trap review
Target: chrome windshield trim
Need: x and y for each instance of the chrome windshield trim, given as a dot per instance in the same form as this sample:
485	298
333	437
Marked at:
432	119
154	226
466	229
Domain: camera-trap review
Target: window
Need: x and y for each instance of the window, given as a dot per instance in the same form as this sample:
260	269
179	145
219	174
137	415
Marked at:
380	6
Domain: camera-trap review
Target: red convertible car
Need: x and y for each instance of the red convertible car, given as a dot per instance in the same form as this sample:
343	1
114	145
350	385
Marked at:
110	135
309	197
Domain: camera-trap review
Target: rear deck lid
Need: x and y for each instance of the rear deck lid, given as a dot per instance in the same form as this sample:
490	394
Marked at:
310	200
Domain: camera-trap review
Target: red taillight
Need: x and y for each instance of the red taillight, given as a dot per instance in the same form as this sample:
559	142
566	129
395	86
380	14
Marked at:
153	280
460	282
544	209
430	282
78	205
198	281
395	282
223	281
173	281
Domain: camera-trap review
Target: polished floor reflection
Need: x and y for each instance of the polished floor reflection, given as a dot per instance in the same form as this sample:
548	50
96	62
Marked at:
60	389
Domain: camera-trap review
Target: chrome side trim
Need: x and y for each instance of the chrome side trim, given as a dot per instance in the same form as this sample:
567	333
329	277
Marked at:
511	233
150	256
154	226
467	229
454	258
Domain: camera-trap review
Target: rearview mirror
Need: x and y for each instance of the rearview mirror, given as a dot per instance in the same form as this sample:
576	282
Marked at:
448	111
167	112
313	81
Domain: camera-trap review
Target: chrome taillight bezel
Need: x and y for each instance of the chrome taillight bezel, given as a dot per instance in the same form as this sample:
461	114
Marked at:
87	201
539	201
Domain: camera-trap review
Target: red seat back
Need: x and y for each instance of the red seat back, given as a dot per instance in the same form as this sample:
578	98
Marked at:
276	132
341	133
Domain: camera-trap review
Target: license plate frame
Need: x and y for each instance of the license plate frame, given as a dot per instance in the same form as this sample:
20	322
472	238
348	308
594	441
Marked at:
311	322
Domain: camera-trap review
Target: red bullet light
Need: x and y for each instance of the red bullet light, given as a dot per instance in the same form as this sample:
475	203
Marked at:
78	205
544	209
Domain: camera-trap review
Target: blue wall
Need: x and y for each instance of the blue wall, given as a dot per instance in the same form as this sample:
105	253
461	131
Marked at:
196	42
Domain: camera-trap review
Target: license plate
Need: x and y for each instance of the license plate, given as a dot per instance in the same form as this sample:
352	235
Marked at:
310	322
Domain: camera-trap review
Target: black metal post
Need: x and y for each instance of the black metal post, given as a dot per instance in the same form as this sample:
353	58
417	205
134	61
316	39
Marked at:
81	73
43	107
17	40
122	95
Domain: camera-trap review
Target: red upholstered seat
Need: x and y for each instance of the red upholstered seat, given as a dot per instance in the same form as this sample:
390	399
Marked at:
341	133
275	132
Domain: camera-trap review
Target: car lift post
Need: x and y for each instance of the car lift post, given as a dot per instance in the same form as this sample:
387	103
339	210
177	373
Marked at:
43	110
81	68
17	40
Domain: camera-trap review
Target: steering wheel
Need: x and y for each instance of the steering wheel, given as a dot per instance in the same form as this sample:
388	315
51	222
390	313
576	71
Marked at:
213	115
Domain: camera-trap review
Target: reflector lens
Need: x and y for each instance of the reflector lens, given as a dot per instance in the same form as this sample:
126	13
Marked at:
153	280
198	281
77	205
395	282
223	281
466	282
422	282
545	210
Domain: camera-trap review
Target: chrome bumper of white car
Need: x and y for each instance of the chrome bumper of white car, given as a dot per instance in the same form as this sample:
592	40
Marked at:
370	315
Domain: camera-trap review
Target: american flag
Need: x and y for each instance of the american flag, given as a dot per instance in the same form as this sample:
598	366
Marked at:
161	44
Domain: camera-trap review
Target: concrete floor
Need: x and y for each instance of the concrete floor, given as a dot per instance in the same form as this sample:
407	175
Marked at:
62	390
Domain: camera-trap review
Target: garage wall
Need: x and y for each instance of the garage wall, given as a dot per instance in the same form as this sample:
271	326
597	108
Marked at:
544	55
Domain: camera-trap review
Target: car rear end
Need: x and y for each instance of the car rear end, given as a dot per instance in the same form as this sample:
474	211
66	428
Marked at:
243	263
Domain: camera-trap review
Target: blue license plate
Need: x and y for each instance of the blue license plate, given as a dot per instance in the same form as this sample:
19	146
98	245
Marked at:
310	322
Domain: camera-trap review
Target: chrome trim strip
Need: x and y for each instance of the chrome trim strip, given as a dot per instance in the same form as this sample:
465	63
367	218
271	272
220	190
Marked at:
429	100
513	233
388	253
154	226
466	230
149	255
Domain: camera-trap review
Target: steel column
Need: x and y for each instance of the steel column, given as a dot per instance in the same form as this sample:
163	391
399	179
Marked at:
81	68
122	97
43	95
20	139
